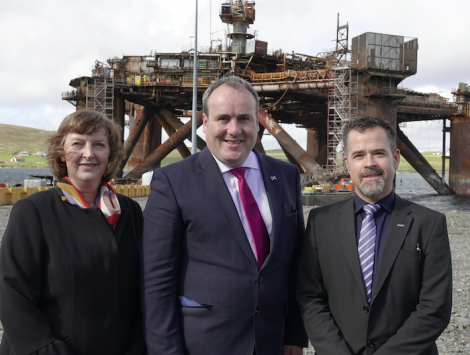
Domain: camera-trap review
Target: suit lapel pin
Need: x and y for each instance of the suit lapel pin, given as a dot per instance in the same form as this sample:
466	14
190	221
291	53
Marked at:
400	225
273	178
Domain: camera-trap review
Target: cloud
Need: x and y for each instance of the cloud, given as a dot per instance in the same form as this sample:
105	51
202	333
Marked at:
47	43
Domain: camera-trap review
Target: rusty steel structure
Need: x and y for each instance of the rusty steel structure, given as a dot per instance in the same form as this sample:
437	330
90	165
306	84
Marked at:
420	164
319	93
459	167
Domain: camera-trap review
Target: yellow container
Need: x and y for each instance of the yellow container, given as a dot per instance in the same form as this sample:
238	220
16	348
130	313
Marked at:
325	187
11	195
137	80
132	190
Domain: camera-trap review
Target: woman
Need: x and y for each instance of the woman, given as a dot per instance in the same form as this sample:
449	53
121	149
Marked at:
69	260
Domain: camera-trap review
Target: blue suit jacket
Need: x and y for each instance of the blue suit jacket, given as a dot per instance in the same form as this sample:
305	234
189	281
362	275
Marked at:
194	245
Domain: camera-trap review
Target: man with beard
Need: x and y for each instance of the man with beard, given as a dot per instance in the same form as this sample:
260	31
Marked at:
375	270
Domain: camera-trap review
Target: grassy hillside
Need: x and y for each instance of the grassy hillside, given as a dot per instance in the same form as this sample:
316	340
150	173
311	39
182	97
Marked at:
434	160
38	162
14	139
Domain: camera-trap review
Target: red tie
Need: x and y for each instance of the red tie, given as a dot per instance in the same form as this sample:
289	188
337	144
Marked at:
253	216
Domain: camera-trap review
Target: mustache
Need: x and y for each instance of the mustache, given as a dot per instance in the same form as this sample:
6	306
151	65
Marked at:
370	171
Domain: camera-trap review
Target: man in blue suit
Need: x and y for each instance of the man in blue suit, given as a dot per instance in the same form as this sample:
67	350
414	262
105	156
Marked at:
222	235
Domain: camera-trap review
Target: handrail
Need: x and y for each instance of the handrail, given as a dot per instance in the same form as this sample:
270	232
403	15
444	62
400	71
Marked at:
66	94
305	75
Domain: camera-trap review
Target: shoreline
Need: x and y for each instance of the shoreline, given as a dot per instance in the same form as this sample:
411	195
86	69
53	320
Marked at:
47	167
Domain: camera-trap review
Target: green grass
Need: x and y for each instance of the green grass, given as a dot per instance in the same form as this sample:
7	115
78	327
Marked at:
277	153
14	139
38	162
174	156
434	160
170	160
404	167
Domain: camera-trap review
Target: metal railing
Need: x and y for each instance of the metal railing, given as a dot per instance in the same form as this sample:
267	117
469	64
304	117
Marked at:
201	81
267	76
313	75
341	108
305	75
69	94
201	49
426	100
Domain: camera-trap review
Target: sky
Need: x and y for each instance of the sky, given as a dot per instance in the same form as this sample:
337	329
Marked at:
44	44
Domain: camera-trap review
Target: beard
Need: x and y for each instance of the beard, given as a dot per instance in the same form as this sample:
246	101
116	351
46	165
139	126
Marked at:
372	188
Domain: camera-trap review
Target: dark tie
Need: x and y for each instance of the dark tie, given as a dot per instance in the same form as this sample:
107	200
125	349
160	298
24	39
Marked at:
366	247
253	216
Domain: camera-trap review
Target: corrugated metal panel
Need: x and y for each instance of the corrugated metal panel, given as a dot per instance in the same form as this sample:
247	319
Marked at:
380	51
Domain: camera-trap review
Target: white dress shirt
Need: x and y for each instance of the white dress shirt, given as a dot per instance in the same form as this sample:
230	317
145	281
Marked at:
254	180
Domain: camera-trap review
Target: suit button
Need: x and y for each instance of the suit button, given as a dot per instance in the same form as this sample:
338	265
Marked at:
365	309
370	344
260	278
257	312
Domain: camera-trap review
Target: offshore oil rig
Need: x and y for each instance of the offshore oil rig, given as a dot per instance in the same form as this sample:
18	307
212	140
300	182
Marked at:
316	92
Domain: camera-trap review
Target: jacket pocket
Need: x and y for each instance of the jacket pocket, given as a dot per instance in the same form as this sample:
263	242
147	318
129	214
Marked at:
189	303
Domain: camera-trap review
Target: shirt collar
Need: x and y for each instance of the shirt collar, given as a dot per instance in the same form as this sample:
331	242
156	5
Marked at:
251	162
387	202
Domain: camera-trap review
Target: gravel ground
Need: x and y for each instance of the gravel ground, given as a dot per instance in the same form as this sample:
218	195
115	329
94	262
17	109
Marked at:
456	338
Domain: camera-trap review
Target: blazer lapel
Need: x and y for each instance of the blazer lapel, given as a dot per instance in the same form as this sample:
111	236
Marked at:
347	235
273	189
213	182
393	242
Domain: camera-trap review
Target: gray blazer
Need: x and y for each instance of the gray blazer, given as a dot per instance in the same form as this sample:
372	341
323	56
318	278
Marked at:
194	245
412	295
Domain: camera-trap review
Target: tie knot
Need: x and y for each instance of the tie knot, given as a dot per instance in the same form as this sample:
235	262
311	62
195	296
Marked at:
371	209
239	172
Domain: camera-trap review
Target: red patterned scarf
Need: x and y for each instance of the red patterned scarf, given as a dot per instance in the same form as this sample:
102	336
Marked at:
107	200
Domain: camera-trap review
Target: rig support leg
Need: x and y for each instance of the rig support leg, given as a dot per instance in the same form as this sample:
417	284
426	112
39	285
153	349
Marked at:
182	149
287	142
420	164
161	152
